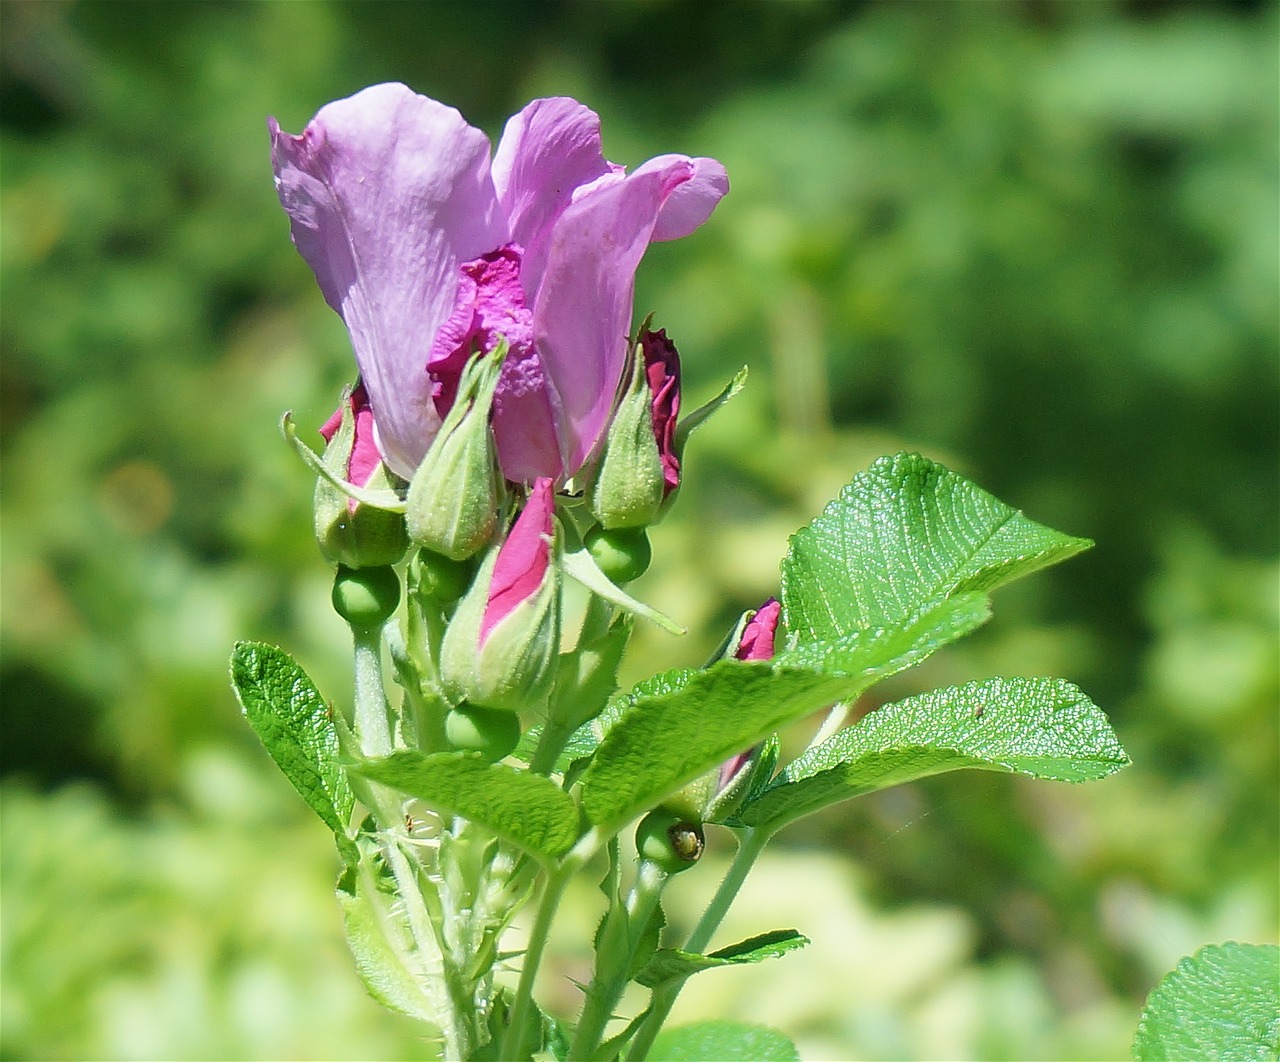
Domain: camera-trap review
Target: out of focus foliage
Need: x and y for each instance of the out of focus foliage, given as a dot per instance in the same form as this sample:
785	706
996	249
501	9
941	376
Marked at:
1036	240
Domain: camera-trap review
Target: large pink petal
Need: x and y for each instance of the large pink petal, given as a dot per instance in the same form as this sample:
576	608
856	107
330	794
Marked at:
526	419
691	203
583	308
547	151
387	192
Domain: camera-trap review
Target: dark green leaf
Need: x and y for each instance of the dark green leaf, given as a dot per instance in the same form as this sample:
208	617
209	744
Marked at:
902	537
293	721
1045	728
1221	1003
672	965
722	1041
526	809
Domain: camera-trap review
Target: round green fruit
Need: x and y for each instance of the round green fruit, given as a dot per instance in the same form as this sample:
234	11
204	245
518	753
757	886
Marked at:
366	597
492	732
669	841
439	579
622	554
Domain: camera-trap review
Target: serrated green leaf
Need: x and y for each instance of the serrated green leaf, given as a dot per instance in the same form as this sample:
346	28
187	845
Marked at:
722	1041
1223	1002
674	727
526	809
670	964
1046	728
902	537
382	946
293	721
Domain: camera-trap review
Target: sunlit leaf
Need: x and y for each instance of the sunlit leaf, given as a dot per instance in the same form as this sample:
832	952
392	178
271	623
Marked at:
1045	728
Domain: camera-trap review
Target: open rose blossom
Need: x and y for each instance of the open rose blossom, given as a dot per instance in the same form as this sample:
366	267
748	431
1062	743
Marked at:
429	248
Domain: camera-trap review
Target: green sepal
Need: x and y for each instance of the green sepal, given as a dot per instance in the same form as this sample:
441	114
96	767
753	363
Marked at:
390	500
579	565
455	494
516	665
691	422
363	536
627	485
671	964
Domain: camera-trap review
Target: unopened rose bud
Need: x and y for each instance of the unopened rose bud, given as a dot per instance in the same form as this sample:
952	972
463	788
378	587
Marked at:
718	794
352	533
455	493
638	468
500	648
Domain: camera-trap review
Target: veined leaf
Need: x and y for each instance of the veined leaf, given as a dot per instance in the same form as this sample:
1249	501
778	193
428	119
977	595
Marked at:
902	537
1223	1002
675	727
526	809
292	720
1046	728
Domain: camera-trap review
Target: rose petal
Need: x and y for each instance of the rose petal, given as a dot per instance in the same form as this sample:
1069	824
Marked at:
387	192
756	642
546	152
692	202
583	309
662	372
523	558
490	303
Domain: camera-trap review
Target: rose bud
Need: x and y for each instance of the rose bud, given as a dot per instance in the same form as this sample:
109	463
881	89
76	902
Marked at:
717	794
454	495
500	648
638	468
351	533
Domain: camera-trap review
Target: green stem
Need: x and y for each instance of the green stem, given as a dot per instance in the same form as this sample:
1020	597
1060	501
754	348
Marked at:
513	1040
372	710
834	721
458	1029
595	623
550	742
750	845
618	947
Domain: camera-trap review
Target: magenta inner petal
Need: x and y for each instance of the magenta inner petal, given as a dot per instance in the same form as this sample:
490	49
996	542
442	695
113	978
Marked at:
523	558
524	420
757	637
662	370
490	304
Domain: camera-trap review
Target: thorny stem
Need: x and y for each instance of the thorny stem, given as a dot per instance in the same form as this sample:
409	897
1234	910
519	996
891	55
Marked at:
750	845
553	892
618	946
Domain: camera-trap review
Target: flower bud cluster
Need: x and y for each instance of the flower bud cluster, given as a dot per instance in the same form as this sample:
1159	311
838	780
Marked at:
487	552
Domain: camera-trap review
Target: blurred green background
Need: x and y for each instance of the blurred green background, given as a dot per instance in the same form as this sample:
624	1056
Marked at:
1035	240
